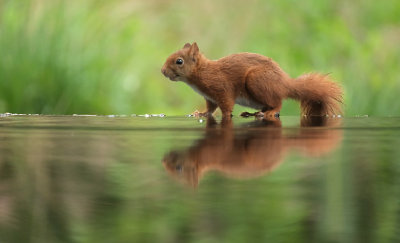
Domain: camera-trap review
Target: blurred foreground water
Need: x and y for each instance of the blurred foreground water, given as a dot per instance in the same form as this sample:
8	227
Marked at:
179	179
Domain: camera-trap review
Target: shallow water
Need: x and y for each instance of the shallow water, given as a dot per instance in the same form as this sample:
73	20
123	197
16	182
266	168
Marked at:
179	179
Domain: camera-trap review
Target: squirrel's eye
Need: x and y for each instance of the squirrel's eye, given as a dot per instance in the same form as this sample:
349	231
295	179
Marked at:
178	168
179	61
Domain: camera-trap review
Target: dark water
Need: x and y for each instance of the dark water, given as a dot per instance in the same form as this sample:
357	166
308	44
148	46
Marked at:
136	179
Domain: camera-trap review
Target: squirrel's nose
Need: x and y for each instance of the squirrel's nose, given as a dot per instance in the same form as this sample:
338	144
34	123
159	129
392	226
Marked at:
163	70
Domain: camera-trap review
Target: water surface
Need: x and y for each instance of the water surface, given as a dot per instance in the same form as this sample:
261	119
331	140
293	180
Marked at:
179	179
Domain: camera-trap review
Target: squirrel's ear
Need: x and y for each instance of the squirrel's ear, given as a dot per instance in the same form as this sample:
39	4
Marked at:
194	51
187	45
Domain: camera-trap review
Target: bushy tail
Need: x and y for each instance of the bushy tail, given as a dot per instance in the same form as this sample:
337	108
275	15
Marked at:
318	94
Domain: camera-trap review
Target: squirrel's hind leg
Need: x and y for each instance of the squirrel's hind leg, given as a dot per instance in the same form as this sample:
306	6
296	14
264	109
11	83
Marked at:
273	112
247	114
264	113
266	88
267	111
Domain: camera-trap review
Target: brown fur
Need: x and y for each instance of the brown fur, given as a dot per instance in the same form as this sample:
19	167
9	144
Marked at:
250	152
251	80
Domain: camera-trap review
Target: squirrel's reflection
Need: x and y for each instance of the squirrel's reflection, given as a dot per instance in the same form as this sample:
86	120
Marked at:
252	150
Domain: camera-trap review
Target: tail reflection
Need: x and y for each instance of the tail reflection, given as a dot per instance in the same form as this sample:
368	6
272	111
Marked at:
249	151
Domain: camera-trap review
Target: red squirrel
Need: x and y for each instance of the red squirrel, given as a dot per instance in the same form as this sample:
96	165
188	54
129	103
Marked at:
251	80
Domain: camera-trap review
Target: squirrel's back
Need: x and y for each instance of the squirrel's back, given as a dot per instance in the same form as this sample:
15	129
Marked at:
243	63
245	59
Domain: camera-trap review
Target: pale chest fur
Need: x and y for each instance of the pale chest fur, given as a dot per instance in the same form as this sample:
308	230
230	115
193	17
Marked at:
201	93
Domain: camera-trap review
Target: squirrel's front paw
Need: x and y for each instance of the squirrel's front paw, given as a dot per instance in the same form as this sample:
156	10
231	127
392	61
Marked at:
197	113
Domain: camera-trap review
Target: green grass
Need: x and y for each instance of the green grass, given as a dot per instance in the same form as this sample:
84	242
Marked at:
102	57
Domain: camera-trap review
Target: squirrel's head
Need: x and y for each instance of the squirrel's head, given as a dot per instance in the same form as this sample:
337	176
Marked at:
181	64
182	167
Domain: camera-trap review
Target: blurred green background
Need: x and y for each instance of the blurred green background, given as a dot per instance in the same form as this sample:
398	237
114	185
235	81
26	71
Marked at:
104	57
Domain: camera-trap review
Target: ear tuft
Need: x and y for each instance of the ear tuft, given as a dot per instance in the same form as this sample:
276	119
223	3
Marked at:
195	46
194	51
187	45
